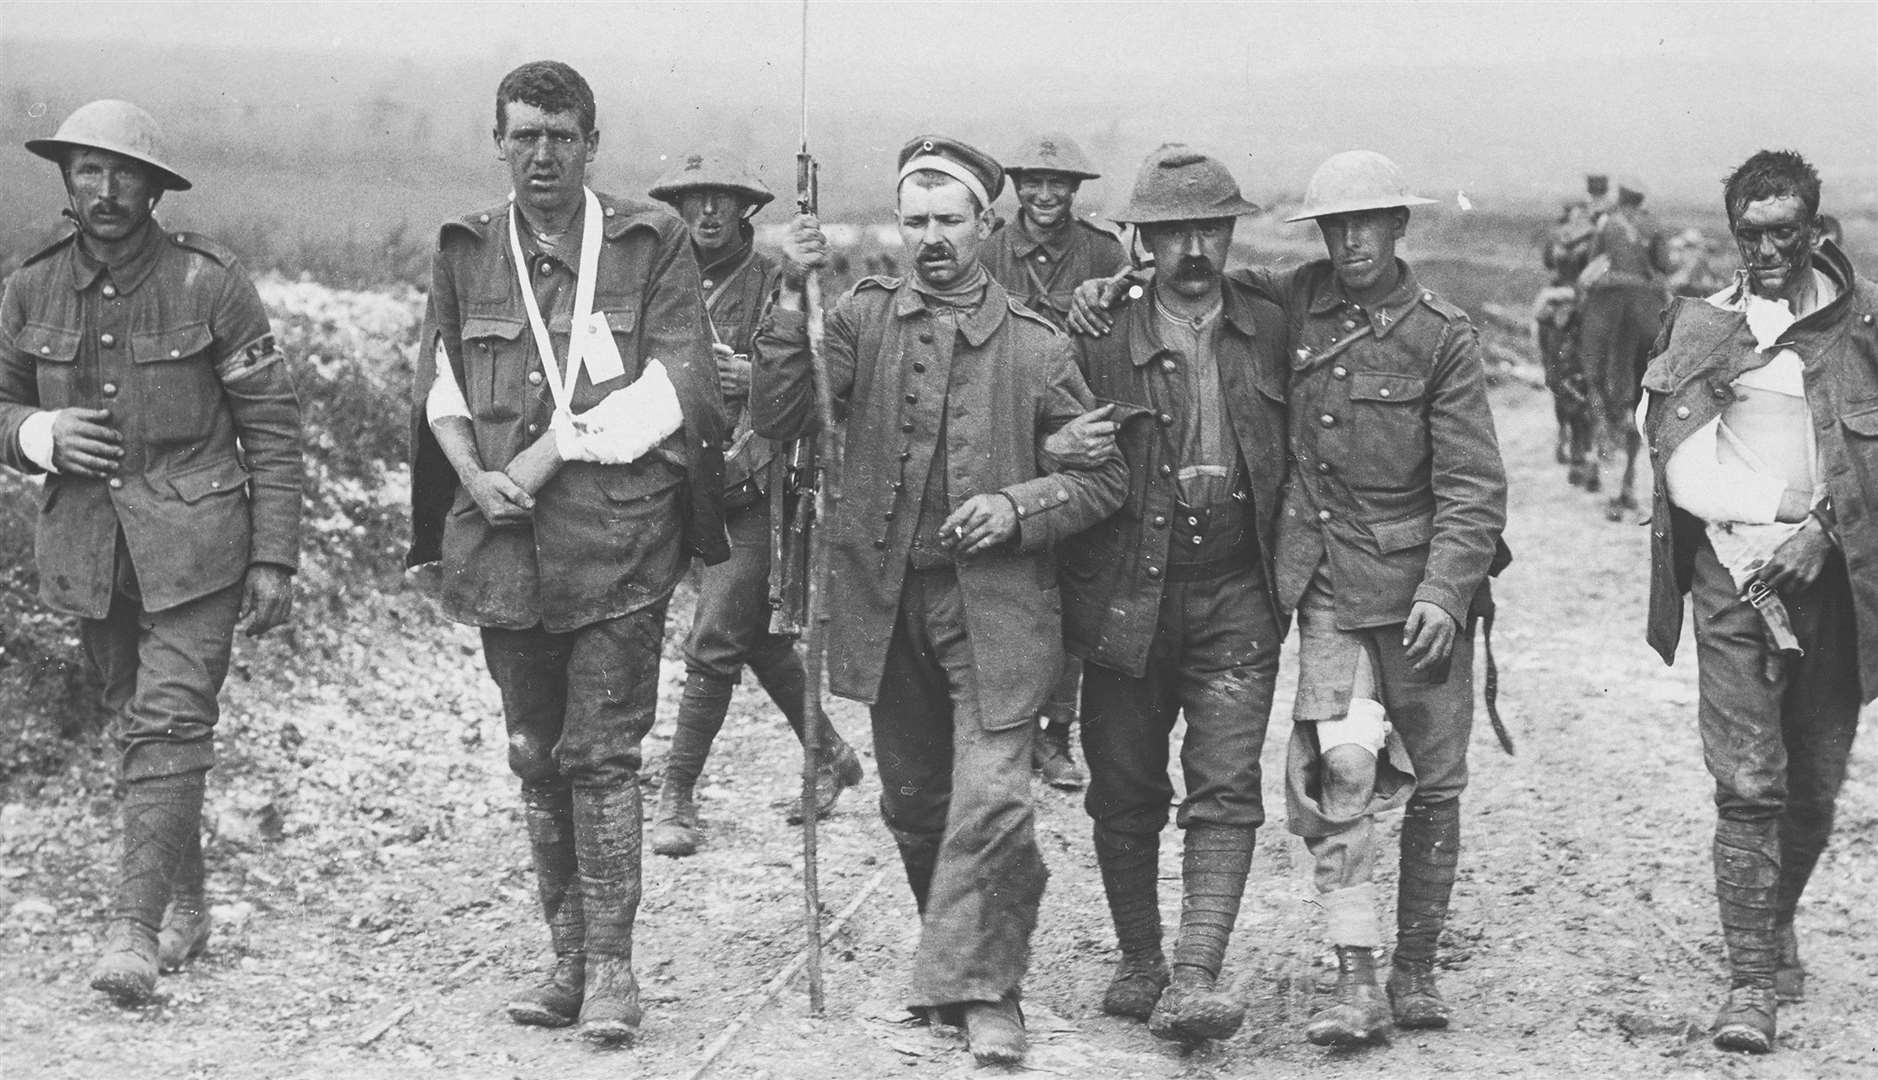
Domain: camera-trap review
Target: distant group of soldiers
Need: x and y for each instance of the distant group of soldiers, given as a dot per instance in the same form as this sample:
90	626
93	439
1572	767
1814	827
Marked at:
1061	468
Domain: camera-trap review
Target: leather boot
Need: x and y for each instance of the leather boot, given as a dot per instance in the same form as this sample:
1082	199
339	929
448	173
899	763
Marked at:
1358	1016
1050	756
184	934
607	836
1130	864
1789	973
159	816
555	1002
838	771
1215	862
1747	873
995	1031
1431	848
675	829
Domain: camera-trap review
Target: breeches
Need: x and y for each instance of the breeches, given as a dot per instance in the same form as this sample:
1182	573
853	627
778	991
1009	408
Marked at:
731	626
578	703
162	671
1213	661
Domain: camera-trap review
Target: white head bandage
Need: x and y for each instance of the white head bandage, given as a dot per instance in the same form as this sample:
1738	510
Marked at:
951	168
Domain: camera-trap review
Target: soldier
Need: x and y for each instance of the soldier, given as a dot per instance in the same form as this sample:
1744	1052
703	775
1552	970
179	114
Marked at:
567	464
1392	521
942	579
1623	305
1172	605
1761	433
138	371
1598	193
717	196
1040	258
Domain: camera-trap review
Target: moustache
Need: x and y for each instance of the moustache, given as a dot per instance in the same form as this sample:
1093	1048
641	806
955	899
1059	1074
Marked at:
935	252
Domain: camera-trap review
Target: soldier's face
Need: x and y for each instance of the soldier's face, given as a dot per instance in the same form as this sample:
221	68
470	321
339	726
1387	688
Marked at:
1775	238
547	154
1361	245
111	194
942	230
1047	198
714	217
1189	255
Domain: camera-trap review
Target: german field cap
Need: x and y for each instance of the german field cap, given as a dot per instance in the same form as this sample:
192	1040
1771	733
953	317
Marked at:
1355	180
1178	183
711	170
1051	152
963	162
116	126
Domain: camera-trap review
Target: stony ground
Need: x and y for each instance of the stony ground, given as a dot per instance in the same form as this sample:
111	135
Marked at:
374	897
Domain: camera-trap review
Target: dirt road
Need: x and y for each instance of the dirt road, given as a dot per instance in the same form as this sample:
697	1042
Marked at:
375	905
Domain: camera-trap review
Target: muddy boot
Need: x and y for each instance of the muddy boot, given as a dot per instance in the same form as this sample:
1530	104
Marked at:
675	829
1789	973
837	772
1359	1016
1051	757
555	1002
1747	871
185	931
1214	865
1431	849
159	816
1130	864
607	835
995	1031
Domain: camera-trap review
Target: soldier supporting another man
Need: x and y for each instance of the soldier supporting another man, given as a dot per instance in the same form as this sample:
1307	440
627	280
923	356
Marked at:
1761	430
138	371
1040	258
942	580
717	196
1172	605
568	463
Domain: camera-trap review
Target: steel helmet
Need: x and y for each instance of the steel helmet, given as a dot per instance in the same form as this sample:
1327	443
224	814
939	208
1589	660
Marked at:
117	126
1051	152
1355	180
1178	183
715	169
1631	183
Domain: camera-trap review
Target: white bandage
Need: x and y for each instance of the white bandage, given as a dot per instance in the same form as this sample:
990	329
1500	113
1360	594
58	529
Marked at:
626	424
445	400
1365	725
36	439
951	168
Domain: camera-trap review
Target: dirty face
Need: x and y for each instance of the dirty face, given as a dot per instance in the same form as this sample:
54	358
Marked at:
943	230
1048	198
112	195
1361	246
1190	255
1775	237
714	216
547	154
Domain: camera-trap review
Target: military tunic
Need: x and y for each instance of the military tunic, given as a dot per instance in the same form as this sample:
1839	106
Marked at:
1043	274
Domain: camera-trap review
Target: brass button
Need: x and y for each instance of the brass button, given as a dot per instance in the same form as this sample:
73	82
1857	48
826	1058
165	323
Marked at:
1041	257
919	368
925	337
1327	420
110	292
1349	324
534	429
1169	366
484	218
1323	466
610	211
1193	522
707	283
1682	412
1323	515
116	482
1166	419
1154	572
107	340
174	353
110	389
907	427
906	455
1160	521
45	349
534	378
1340	371
880	545
1196	539
912	399
1384	392
1166	469
888	516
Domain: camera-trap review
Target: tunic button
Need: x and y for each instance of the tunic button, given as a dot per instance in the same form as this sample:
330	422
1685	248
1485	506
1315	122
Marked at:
1722	393
110	389
1340	371
707	283
1193	522
1041	257
906	455
1167	470
919	368
912	399
107	340
888	516
1166	419
880	545
484	218
1154	572
534	429
1682	412
174	353
1323	515
117	482
110	292
925	337
907	427
47	349
1169	366
534	378
1349	324
1160	521
1866	320
1327	420
1323	466
1196	540
1384	392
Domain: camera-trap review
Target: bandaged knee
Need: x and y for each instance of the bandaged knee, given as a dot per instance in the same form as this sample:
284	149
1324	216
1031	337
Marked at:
1364	725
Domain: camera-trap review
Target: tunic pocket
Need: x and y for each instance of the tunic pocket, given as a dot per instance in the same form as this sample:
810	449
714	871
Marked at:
177	389
494	357
55	351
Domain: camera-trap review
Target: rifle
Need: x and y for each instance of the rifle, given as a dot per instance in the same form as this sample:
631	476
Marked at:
799	551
